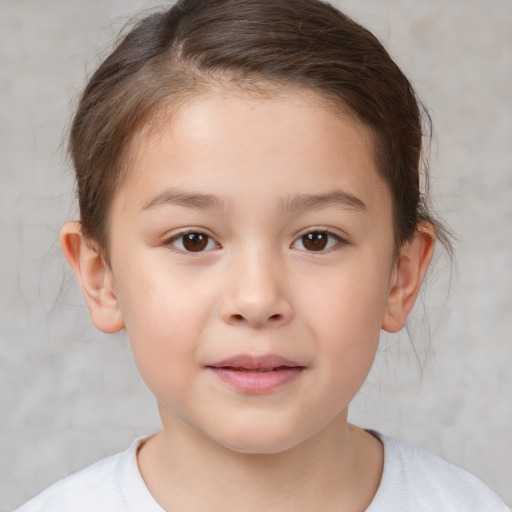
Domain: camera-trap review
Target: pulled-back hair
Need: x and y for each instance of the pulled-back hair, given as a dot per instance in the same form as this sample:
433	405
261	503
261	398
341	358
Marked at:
195	45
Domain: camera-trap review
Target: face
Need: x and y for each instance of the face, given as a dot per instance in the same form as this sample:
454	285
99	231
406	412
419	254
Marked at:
252	259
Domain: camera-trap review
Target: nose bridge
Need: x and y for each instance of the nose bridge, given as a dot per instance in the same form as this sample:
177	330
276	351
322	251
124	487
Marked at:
257	294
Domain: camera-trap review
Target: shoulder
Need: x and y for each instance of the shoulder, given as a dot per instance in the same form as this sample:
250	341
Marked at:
112	484
92	486
414	479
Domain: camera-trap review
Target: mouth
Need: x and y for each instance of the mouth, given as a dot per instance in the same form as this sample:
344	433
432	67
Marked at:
256	375
256	370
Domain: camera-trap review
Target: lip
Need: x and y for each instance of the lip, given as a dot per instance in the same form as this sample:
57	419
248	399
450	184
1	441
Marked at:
256	375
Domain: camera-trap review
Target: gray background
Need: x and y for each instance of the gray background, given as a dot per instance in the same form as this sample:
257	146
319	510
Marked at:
69	396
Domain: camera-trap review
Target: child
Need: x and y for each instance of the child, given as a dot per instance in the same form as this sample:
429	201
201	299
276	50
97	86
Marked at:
250	213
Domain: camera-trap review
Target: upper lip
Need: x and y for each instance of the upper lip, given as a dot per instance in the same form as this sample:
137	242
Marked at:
265	362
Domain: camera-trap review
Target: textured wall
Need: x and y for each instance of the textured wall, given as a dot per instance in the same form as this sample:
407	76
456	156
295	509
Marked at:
69	395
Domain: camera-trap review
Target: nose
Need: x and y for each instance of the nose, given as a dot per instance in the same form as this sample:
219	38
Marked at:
256	295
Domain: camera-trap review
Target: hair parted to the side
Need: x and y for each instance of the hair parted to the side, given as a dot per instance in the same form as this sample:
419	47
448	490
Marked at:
197	45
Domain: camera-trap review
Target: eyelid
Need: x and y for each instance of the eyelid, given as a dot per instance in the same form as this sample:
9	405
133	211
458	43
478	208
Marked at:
340	239
170	239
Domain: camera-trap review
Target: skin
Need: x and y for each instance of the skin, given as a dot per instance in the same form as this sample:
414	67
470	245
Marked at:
255	289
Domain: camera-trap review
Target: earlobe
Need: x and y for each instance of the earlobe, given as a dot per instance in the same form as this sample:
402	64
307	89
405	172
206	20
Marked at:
95	278
407	277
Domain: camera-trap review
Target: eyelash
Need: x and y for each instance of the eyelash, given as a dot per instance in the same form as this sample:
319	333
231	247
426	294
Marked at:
331	240
198	234
202	241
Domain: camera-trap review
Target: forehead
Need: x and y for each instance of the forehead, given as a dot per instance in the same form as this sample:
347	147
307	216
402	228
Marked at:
228	142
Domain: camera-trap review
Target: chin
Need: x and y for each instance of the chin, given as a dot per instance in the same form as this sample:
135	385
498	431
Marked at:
260	441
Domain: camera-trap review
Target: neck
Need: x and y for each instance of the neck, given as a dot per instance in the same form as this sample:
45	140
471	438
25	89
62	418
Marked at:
337	468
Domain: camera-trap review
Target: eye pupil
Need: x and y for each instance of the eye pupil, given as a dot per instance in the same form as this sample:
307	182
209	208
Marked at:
195	242
315	241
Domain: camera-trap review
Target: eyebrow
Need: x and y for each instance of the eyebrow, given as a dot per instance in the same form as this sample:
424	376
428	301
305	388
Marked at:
298	202
193	200
335	198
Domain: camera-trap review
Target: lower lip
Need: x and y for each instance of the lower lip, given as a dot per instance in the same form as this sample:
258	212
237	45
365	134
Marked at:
256	382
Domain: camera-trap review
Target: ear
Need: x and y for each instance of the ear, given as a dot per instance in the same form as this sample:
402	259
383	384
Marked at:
408	273
95	278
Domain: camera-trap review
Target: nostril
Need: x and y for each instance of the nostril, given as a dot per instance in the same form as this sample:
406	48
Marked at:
241	318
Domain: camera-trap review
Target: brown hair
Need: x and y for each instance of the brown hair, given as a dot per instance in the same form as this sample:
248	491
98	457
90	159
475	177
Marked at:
170	55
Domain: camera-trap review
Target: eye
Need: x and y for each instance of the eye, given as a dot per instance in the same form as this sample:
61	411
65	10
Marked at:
317	241
192	241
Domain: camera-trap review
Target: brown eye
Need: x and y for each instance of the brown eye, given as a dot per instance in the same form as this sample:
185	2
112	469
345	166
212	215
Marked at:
316	241
193	241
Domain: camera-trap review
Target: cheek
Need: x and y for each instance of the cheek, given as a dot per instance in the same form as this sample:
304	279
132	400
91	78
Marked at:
160	297
165	315
349	303
345	317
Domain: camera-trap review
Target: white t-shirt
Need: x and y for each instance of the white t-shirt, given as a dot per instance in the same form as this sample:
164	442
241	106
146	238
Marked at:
412	481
